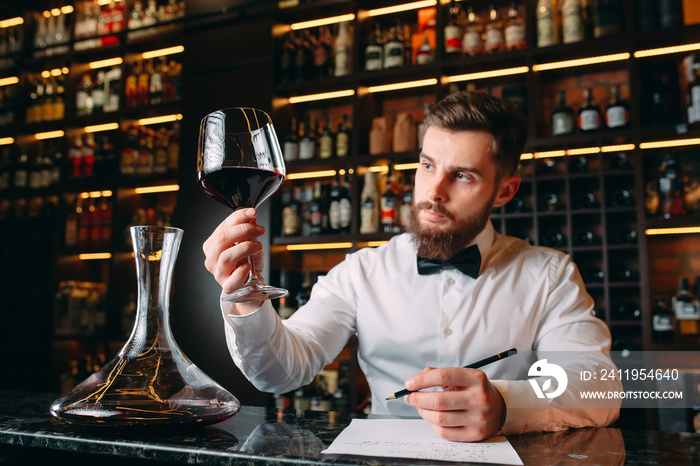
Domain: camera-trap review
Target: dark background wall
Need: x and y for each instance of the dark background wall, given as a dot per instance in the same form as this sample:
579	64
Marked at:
228	63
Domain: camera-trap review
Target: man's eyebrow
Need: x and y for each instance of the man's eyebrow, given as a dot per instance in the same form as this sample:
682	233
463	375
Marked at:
473	170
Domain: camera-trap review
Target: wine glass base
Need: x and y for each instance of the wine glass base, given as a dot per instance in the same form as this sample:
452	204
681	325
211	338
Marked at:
254	293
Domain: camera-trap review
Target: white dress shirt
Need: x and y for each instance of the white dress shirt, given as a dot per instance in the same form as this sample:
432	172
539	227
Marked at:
527	297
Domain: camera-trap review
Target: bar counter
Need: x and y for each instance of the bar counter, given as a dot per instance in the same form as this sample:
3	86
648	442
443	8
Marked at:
260	436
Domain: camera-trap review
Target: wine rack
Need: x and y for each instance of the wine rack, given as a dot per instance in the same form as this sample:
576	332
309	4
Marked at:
84	210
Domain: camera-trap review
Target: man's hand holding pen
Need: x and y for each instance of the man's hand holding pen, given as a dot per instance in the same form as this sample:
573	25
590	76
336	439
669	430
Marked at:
469	408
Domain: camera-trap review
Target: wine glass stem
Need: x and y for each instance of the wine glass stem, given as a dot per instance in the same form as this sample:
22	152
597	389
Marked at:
253	275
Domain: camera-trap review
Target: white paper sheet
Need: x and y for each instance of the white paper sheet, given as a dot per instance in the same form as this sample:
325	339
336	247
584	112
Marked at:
414	438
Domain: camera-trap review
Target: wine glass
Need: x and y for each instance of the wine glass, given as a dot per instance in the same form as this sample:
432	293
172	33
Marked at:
240	164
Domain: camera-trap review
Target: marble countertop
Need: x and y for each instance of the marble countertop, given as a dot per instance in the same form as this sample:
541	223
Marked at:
260	436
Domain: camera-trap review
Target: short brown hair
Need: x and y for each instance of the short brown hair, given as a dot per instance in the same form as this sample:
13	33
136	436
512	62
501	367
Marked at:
474	110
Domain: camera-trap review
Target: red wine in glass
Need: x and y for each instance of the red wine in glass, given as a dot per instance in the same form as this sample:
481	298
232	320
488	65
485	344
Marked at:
240	164
239	187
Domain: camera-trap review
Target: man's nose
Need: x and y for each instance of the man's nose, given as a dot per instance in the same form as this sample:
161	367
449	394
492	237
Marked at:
437	190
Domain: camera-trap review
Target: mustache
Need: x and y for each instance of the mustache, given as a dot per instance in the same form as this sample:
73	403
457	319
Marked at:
437	208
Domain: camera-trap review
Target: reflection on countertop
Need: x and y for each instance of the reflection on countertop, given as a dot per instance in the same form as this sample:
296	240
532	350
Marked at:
263	436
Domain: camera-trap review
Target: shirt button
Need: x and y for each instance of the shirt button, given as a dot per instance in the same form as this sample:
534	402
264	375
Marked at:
450	281
448	331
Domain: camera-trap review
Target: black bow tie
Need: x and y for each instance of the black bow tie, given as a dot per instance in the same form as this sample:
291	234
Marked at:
467	261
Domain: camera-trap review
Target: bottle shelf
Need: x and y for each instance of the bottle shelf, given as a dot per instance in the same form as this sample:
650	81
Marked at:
675	222
614	162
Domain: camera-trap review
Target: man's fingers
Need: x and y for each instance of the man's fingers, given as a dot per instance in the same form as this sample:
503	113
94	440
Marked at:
236	218
445	377
435	401
232	257
238	228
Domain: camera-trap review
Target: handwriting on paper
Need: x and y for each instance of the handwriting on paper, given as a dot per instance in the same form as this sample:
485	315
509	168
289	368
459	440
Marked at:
414	438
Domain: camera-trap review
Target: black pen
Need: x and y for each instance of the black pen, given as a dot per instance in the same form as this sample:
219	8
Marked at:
475	365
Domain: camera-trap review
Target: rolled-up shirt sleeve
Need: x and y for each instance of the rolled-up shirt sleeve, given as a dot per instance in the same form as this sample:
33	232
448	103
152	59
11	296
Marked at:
278	355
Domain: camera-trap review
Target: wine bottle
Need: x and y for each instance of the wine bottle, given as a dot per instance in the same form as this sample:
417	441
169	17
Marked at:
514	31
659	109
425	53
339	210
70	237
286	61
47	106
82	96
608	17
98	95
342	51
626	235
112	89
586	200
494	41
572	22
59	110
662	322
578	165
629	310
131	86
619	162
369	209
453	32
687	314
546	24
549	201
552	238
389	207
290	148
583	237
646	15
669	14
322	55
342	138
307	145
621	198
325	141
516	204
547	166
625	274
595	274
374	53
394	48
142	84
472	42
345	205
562	117
598	312
669	179
291	212
589	116
303	58
316	211
155	86
617	114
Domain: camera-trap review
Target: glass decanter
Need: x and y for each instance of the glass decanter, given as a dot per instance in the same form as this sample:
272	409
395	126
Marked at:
150	381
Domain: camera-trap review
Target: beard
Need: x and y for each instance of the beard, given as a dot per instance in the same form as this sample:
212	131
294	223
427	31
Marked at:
443	243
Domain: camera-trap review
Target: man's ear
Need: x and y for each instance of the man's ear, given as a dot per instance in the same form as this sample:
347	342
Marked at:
507	188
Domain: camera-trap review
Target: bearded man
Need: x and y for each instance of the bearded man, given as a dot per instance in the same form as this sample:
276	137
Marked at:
448	292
